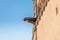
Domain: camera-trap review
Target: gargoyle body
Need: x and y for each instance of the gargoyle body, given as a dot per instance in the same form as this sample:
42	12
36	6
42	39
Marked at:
30	19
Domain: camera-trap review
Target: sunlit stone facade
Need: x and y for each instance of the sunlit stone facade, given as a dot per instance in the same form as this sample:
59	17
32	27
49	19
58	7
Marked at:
48	21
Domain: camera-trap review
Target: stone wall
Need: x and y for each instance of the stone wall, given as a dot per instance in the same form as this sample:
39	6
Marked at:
49	25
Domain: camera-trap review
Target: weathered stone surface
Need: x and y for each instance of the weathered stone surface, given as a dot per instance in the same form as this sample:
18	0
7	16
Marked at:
49	25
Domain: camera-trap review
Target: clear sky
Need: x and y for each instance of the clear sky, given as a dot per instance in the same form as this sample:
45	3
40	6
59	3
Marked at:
12	26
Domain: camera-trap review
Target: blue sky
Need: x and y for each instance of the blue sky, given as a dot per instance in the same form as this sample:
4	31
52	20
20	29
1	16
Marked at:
12	26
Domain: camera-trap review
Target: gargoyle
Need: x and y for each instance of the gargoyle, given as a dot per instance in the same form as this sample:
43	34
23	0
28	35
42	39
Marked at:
30	19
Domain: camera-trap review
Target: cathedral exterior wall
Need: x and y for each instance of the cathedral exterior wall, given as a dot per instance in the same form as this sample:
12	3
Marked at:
49	25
